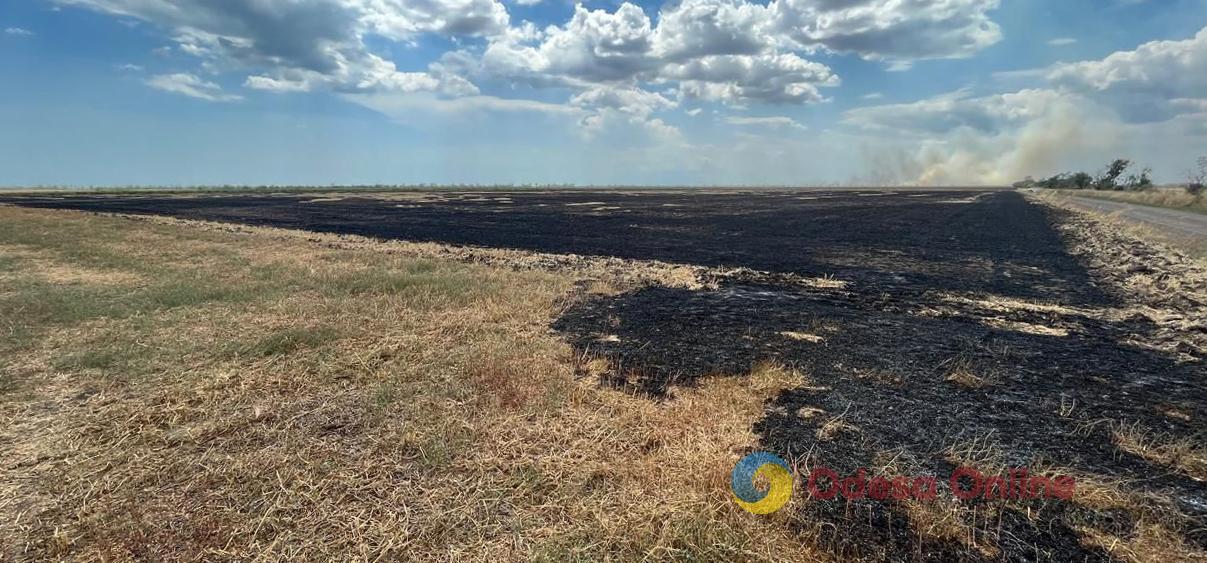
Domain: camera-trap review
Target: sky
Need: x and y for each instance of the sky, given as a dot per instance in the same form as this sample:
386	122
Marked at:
686	92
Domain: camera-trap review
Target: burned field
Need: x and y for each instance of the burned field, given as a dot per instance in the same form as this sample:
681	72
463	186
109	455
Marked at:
937	329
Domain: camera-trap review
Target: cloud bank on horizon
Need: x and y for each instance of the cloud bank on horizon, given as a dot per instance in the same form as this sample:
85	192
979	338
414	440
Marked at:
689	91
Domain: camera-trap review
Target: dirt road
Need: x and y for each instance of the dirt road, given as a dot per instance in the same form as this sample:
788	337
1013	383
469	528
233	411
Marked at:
1171	221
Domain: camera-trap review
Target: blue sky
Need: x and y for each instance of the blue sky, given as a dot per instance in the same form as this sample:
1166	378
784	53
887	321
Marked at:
150	92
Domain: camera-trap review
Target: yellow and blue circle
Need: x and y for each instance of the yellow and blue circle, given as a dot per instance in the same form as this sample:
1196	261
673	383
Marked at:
771	468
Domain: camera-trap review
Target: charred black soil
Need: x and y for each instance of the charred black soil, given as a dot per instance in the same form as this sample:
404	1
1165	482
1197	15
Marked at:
948	240
937	329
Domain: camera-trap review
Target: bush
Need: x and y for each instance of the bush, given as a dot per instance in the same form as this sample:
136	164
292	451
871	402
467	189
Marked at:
1196	178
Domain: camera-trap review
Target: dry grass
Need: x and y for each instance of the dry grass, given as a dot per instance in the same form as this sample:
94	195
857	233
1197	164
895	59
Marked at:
1157	533
1186	454
946	518
1161	279
961	371
1175	198
244	395
1119	228
1154	536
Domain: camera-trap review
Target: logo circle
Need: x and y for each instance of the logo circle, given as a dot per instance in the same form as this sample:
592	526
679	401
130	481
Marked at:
772	468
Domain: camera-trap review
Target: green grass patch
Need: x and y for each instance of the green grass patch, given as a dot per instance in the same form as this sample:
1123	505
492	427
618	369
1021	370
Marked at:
115	357
285	341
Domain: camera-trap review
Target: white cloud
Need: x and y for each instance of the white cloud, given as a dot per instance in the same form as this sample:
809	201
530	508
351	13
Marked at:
303	45
407	107
697	28
1142	82
599	46
627	123
626	128
631	101
401	19
777	122
941	114
739	79
1061	41
735	52
892	30
192	86
17	31
279	85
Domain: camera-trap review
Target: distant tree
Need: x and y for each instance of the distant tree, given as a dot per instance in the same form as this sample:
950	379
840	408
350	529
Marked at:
1053	183
1139	182
1196	178
1112	178
1080	180
1025	183
1109	179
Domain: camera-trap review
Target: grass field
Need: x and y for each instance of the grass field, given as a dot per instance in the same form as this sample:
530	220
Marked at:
183	389
177	393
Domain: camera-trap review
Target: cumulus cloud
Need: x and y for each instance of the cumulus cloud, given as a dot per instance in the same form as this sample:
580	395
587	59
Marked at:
17	31
631	101
735	52
615	67
192	86
402	19
1141	83
739	79
698	28
704	47
894	30
299	46
595	46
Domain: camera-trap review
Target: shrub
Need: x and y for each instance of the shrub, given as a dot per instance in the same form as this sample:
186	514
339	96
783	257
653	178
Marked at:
1196	178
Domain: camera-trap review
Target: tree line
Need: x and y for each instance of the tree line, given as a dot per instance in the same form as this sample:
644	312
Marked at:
1116	177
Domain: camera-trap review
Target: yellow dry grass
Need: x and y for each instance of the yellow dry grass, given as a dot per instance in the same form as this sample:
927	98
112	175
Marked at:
258	396
1195	248
1157	534
1182	454
1175	198
960	371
